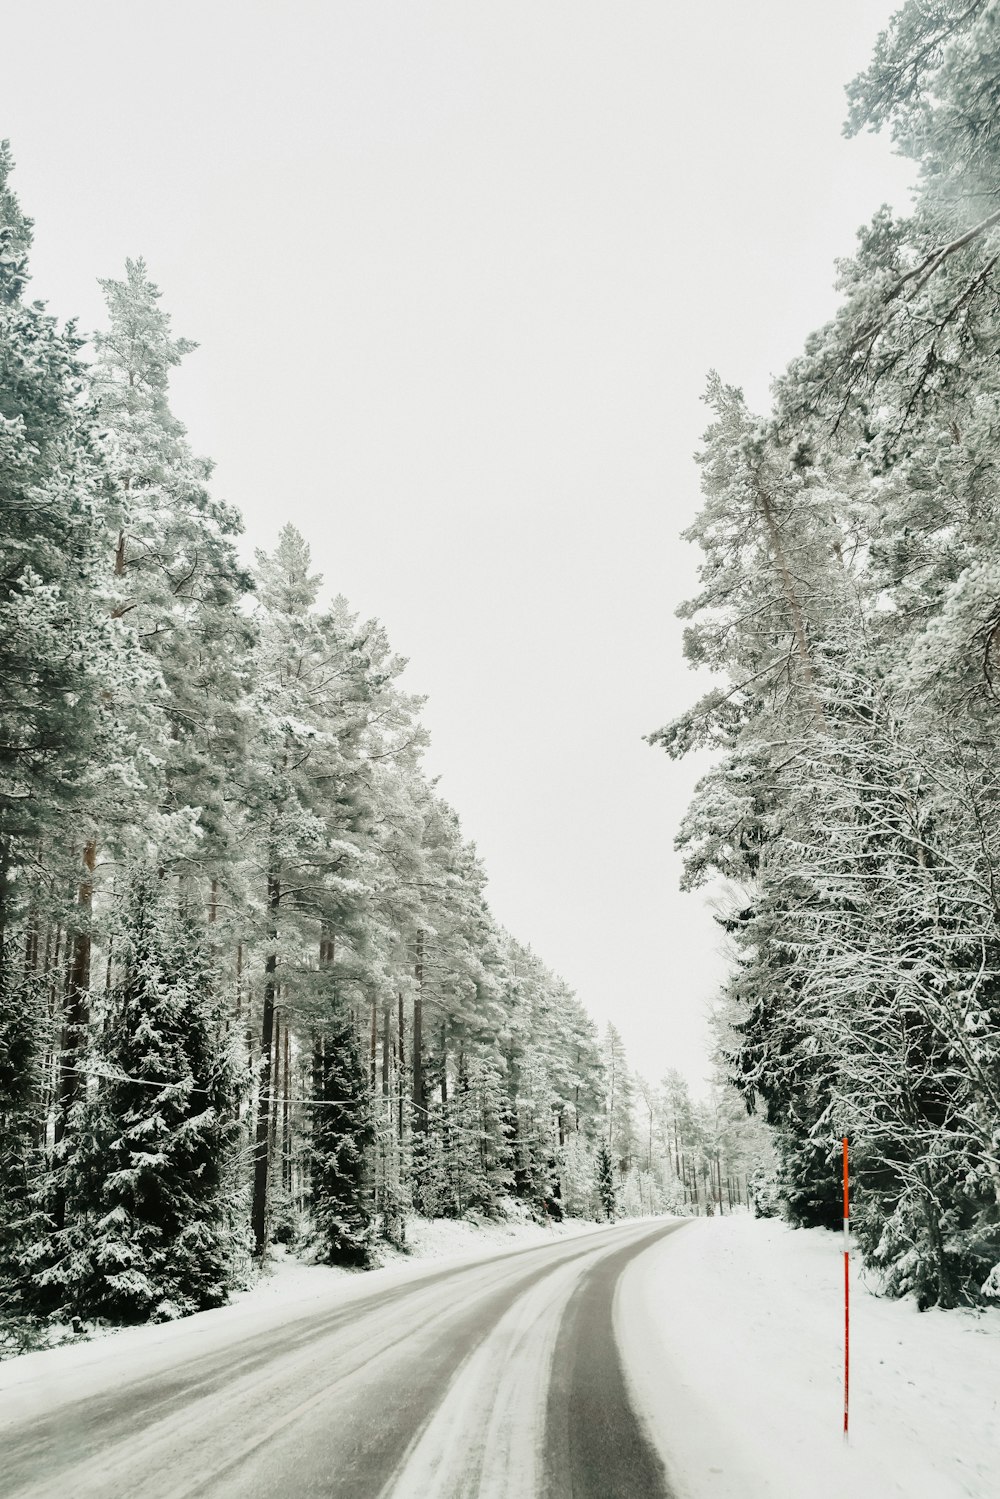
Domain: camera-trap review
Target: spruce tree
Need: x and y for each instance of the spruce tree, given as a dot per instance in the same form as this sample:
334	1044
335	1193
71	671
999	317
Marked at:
341	1136
606	1181
147	1234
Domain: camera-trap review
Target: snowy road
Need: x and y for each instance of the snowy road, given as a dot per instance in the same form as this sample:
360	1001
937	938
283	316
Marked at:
499	1379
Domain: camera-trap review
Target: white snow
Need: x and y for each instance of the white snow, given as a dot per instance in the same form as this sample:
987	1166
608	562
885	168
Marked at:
287	1289
732	1335
483	1438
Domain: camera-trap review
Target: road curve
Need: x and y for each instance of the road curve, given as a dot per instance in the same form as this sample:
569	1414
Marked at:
499	1379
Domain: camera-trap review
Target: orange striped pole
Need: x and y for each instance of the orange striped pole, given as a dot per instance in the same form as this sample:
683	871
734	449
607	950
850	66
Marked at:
847	1292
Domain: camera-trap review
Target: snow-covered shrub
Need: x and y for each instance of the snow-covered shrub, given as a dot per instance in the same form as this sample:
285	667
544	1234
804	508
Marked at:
578	1178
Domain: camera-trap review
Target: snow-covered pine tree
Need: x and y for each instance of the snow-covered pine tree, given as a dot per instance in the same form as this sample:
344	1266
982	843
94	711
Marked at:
171	547
619	1100
49	547
535	1145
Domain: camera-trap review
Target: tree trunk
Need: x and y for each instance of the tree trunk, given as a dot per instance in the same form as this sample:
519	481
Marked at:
792	600
444	1062
611	1106
419	1100
76	1012
373	1049
945	1288
4	917
31	942
286	1121
401	1074
276	1094
262	1140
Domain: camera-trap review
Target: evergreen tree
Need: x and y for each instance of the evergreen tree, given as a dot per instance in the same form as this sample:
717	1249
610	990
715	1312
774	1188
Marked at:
146	1174
606	1182
619	1100
171	548
341	1136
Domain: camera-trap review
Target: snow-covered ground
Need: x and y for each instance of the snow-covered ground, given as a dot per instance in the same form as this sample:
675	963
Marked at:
445	1240
286	1288
732	1331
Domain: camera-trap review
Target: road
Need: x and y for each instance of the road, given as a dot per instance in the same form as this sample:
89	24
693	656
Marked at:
499	1379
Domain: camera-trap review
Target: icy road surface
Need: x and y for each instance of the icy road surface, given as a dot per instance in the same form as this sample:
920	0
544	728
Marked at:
500	1379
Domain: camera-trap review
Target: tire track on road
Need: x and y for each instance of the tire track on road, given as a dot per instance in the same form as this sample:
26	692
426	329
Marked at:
596	1444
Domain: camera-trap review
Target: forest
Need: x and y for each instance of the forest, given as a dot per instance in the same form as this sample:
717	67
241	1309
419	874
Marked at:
849	606
251	990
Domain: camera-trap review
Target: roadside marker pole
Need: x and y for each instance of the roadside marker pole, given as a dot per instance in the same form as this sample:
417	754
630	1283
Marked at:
847	1292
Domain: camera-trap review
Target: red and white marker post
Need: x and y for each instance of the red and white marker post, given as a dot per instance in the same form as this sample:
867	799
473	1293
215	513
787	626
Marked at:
847	1292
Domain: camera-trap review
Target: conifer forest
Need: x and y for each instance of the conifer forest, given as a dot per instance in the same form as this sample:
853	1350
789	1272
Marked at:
251	991
500	750
849	609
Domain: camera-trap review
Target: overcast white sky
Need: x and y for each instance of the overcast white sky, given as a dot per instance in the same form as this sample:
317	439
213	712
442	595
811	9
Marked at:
457	272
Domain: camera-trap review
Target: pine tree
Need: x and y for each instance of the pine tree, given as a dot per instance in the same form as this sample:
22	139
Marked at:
171	549
619	1100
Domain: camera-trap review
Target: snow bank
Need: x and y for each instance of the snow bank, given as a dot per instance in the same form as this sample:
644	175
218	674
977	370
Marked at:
440	1239
732	1336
